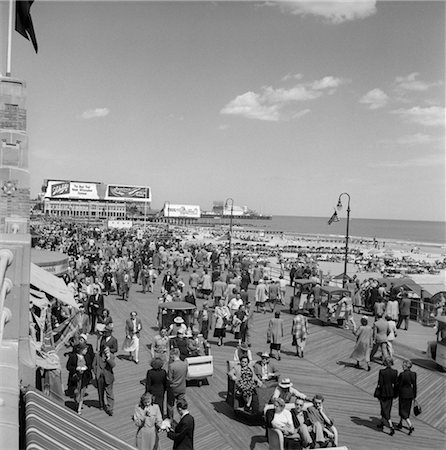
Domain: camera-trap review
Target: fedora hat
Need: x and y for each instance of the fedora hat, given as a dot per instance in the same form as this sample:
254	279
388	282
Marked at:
285	383
265	355
244	346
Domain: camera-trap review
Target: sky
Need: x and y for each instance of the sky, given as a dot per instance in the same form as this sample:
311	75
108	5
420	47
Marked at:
281	106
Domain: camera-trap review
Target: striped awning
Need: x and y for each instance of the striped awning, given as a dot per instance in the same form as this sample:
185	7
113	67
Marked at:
51	426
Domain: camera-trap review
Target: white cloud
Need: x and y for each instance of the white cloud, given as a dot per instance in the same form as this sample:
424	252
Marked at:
416	139
376	98
410	83
270	102
422	161
93	113
431	116
334	11
290	76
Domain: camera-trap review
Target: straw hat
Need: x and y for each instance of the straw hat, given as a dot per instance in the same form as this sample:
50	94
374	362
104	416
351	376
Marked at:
244	346
178	320
265	355
285	383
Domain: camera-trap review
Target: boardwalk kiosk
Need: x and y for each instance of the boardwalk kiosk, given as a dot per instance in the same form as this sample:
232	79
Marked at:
199	367
327	307
302	298
436	350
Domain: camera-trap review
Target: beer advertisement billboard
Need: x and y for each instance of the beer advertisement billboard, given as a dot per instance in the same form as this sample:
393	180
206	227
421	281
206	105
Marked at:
184	211
72	190
128	193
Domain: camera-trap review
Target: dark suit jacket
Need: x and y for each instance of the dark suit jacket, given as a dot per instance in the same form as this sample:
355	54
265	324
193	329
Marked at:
104	367
388	383
183	436
297	420
112	344
407	384
95	304
129	326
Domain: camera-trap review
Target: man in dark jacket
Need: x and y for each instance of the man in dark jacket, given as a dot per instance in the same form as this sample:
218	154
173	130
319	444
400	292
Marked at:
95	307
404	312
183	433
103	368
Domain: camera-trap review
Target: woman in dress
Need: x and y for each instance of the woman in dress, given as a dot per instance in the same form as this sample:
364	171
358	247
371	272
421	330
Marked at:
156	382
364	343
147	418
79	366
222	316
245	381
407	392
274	334
385	392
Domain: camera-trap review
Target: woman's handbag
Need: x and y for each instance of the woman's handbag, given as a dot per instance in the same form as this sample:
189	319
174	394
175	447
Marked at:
416	408
377	393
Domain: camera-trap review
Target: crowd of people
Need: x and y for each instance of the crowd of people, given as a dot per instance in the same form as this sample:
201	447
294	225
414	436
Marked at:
102	262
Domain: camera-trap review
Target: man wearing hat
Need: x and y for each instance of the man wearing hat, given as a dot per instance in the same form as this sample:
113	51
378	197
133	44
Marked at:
242	350
103	365
265	369
178	325
107	340
286	391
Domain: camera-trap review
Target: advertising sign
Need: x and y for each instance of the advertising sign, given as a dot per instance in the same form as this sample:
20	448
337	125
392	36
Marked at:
128	193
186	211
72	189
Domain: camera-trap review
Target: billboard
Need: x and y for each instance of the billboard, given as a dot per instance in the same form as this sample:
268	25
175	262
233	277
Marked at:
72	189
128	193
186	211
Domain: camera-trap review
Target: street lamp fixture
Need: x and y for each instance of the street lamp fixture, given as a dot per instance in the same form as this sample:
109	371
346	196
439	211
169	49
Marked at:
339	207
230	201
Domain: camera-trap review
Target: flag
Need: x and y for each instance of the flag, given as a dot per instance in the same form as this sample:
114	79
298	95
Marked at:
333	218
23	21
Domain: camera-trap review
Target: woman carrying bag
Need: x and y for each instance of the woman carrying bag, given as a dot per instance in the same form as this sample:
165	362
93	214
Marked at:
407	393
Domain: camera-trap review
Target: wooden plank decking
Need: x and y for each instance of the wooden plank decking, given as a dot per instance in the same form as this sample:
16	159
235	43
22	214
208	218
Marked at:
325	369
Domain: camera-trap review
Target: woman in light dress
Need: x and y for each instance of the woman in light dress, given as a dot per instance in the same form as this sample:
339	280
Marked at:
147	418
364	343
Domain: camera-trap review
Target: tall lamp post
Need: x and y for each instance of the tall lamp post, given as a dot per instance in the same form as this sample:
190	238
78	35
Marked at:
230	228
339	207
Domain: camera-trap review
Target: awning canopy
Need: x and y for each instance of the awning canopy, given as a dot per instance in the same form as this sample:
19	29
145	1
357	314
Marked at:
50	425
52	285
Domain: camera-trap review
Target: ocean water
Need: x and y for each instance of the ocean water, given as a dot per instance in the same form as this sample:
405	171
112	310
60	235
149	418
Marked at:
401	230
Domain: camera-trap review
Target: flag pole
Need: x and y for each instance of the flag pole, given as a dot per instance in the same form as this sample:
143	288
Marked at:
8	57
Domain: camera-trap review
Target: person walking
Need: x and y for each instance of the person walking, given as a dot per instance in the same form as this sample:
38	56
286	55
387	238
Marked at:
274	334
385	392
95	307
79	366
147	417
404	312
103	365
364	343
380	333
261	296
133	326
183	433
299	333
222	316
391	336
176	376
407	393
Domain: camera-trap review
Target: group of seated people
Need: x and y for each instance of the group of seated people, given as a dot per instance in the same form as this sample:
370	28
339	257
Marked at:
310	425
307	422
189	342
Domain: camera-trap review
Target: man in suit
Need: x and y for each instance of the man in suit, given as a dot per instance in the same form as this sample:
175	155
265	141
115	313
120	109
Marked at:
132	328
386	391
301	423
176	375
95	307
404	312
103	364
183	433
321	423
107	340
265	369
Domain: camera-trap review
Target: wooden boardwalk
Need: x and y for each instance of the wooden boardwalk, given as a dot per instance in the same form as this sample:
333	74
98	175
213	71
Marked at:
326	369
